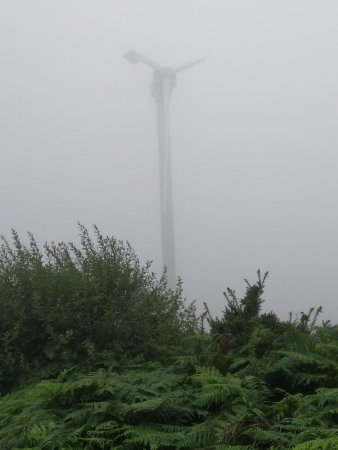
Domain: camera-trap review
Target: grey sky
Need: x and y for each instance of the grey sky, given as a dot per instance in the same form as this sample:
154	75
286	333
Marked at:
254	135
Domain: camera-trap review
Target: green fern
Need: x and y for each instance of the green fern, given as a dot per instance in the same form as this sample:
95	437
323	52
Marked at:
216	389
71	411
319	444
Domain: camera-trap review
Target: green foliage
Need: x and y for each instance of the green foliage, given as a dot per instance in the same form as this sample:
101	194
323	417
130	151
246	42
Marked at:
240	318
67	305
319	444
284	375
146	406
99	354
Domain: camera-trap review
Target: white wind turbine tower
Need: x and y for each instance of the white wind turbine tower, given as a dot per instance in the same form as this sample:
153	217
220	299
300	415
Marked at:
164	80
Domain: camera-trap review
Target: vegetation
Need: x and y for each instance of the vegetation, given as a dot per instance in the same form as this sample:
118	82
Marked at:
66	306
96	353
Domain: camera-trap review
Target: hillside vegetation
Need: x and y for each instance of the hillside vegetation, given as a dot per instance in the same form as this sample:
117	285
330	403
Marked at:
97	353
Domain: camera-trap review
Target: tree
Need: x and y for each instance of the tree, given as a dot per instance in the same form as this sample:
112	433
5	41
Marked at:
66	305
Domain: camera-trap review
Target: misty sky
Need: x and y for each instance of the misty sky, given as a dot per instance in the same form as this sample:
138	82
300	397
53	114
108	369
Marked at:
254	136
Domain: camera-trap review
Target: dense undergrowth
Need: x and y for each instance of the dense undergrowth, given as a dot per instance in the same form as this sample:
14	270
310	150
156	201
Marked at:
96	353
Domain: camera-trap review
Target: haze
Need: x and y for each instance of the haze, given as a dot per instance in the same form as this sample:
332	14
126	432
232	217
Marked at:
253	129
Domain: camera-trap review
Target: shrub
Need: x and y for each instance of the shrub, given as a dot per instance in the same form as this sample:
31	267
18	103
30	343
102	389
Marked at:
66	305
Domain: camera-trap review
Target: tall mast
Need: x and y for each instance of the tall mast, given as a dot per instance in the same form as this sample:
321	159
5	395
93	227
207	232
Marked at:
164	80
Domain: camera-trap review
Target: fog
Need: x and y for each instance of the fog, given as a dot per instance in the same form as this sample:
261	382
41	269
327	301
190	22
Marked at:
253	129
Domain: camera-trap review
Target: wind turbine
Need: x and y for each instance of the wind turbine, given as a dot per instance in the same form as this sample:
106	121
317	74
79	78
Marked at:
164	80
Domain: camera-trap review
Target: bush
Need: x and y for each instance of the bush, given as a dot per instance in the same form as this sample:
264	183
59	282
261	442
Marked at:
67	305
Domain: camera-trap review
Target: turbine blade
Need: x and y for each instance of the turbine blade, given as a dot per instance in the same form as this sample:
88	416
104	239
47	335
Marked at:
187	66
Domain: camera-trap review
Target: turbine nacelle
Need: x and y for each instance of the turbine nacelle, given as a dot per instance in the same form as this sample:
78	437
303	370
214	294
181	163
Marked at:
135	57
